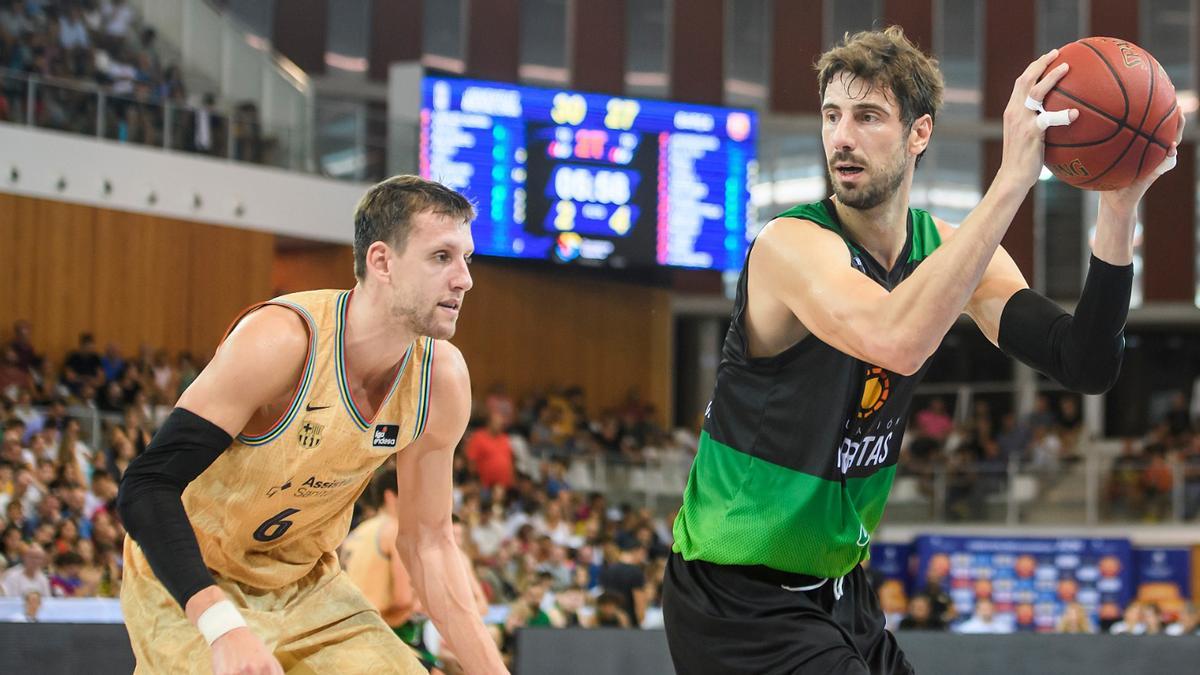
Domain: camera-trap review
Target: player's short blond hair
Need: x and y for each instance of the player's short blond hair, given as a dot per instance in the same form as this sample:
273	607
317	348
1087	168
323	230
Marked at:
385	213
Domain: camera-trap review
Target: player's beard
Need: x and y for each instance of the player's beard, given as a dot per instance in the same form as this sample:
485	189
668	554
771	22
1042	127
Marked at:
874	191
422	317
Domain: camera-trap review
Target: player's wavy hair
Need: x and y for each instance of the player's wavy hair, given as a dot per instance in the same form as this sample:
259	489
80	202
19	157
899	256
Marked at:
887	59
385	213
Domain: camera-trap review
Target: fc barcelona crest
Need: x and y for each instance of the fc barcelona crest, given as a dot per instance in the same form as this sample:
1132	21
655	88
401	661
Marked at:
309	435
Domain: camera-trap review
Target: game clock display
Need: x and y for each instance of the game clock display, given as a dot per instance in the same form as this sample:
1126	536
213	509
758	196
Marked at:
592	179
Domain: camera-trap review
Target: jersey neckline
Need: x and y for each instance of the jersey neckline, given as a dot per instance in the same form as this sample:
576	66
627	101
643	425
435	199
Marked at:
341	314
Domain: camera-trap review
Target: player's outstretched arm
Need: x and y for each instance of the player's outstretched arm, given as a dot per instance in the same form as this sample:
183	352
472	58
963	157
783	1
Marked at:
425	537
1083	352
258	363
808	268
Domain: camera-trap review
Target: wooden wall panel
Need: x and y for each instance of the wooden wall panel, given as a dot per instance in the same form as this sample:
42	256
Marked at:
141	265
62	260
230	270
130	279
9	255
304	269
532	329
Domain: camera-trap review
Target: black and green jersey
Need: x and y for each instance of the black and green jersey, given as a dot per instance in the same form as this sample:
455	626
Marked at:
799	450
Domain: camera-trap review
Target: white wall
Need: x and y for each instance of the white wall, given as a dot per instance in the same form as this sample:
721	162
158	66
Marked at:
271	200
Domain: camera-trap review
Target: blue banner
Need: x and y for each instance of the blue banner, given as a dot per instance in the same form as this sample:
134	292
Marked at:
1030	580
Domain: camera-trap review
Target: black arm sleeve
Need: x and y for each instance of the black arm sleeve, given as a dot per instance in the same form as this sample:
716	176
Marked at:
1083	352
151	506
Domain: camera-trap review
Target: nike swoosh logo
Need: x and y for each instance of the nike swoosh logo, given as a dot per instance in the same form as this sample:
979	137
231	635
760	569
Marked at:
310	407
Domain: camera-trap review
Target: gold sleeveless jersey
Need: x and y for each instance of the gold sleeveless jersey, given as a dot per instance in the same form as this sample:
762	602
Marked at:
366	557
273	505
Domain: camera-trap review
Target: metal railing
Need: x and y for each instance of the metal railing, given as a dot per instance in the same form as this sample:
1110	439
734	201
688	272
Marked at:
142	119
1092	487
240	66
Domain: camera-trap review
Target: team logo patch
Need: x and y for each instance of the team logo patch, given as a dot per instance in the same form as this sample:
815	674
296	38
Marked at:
876	388
385	436
309	435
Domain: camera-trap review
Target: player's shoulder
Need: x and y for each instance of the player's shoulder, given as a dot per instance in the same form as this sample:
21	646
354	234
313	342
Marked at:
449	372
269	333
786	240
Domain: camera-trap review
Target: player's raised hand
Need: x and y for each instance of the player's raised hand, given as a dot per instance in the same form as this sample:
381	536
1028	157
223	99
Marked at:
1127	198
241	652
1023	133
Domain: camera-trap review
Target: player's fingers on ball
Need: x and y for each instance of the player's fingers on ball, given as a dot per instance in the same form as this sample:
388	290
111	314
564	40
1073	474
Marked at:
1034	70
1182	124
1039	90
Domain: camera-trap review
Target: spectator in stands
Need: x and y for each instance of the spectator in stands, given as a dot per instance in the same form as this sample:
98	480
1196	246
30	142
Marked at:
11	542
499	402
65	582
30	610
14	22
112	363
1045	449
118	20
921	615
1179	419
491	453
626	579
1014	438
1042	414
72	31
610	613
22	342
984	620
1158	482
14	377
28	576
1070	425
1075	619
1188	622
83	364
1133	622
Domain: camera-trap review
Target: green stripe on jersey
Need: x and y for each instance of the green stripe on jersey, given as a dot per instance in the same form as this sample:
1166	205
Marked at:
741	510
926	237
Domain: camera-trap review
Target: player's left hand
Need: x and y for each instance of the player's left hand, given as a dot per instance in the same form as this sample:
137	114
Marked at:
1128	197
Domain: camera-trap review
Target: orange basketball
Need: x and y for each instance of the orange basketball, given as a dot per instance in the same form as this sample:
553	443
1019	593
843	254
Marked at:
1128	115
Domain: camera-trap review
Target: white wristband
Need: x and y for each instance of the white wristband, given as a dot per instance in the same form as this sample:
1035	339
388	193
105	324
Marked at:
219	619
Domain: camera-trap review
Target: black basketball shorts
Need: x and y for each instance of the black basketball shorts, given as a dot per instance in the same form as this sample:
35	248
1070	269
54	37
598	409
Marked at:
727	620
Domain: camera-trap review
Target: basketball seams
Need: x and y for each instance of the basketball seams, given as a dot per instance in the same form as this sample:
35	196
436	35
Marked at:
1154	134
1103	144
1116	77
1125	122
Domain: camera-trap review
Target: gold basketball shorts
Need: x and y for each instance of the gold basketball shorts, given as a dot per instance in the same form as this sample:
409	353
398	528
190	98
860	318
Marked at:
320	624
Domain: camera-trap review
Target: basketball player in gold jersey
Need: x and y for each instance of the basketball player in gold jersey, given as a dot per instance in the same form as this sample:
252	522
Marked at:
372	562
237	507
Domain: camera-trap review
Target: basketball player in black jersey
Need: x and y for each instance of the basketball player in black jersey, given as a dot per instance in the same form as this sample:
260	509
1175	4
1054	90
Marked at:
839	308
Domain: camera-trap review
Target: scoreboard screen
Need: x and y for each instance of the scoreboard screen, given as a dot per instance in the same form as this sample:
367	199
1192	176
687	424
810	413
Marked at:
592	179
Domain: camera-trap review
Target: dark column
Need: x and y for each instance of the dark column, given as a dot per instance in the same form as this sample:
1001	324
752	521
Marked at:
915	16
1008	47
395	35
299	33
597	45
697	56
493	39
796	41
